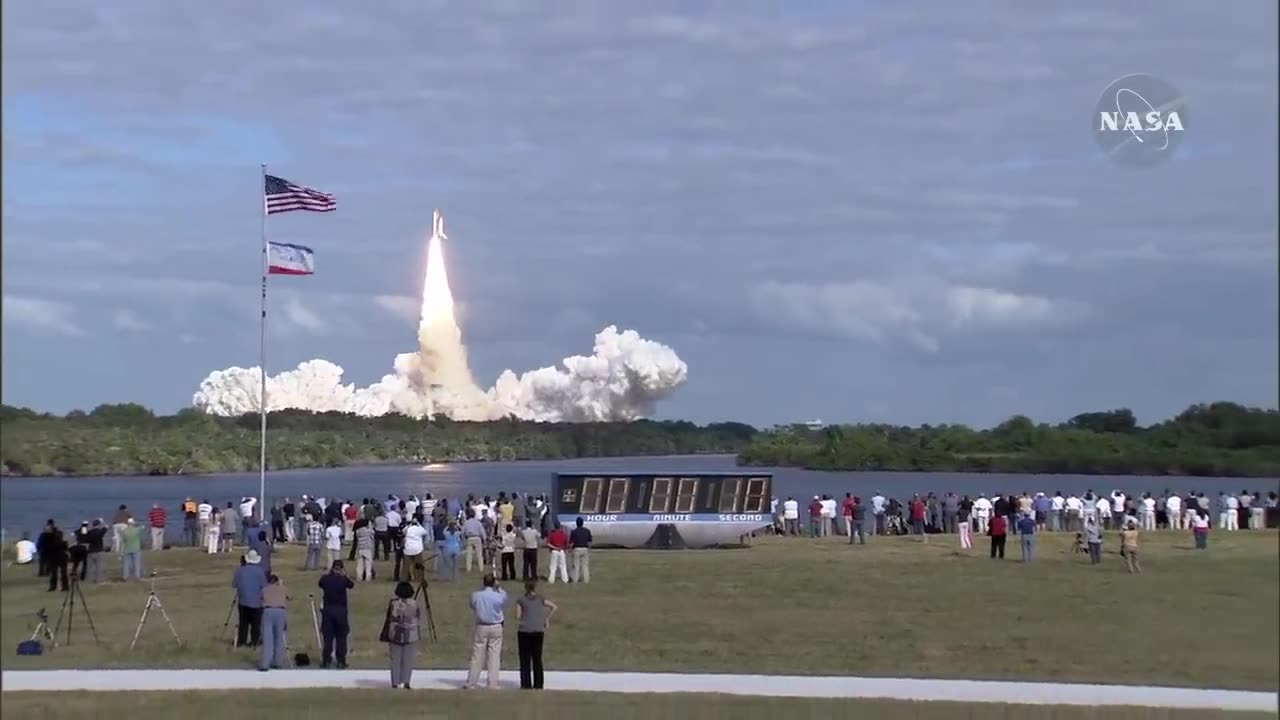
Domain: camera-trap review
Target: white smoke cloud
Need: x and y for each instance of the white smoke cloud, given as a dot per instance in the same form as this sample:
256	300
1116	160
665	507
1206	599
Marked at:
622	379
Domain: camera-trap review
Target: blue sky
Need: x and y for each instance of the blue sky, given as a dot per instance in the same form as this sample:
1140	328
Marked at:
849	211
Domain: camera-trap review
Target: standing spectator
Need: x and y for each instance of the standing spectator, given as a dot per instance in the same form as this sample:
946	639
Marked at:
963	524
400	631
1148	511
828	516
534	613
950	508
580	540
488	605
214	538
259	543
529	538
1042	507
982	508
204	514
95	539
290	519
191	525
131	549
1200	529
846	516
156	518
228	528
315	540
1057	504
381	541
118	523
859	521
333	542
558	543
473	536
1233	513
1093	539
364	552
1026	536
997	529
350	513
54	553
877	512
791	516
1129	547
334	623
1257	511
79	551
815	517
508	553
916	512
43	542
415	537
275	619
249	582
449	552
277	523
1173	509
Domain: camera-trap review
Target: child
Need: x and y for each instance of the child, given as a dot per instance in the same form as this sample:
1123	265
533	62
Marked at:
1078	547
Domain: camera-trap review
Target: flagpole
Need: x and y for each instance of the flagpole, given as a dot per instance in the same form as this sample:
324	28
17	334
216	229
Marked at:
262	359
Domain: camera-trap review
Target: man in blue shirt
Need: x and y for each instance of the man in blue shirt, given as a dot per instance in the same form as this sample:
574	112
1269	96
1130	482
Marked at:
489	605
1026	533
334	624
249	580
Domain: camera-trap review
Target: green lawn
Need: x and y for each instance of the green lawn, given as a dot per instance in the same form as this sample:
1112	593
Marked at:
511	705
893	607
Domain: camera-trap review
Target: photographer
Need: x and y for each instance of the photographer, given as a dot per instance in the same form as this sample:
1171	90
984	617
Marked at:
249	581
334	623
414	538
275	620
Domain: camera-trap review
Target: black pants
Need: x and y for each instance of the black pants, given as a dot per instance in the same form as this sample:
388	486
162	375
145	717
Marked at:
42	564
509	566
334	628
530	644
530	569
997	546
381	545
57	569
277	530
249	628
79	561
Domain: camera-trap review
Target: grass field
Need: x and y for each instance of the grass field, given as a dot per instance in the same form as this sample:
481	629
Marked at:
893	607
281	704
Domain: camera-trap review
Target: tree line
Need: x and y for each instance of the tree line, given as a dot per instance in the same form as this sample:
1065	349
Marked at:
1218	439
128	439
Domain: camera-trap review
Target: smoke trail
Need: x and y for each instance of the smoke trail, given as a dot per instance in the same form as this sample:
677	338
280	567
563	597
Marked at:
622	379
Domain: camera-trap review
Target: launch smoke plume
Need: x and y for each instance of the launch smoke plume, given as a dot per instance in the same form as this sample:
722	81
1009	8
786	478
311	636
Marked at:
622	379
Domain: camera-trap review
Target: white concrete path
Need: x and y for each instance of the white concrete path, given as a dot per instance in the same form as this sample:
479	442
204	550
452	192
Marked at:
760	685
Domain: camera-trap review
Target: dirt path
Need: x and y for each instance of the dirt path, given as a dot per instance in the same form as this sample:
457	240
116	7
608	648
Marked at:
765	685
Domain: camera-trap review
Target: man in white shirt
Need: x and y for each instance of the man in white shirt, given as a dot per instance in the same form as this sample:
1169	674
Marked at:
1148	512
828	515
25	550
1173	510
333	542
428	505
1103	506
1075	513
414	543
411	506
1117	508
1057	504
982	513
1233	512
877	511
204	513
791	516
246	507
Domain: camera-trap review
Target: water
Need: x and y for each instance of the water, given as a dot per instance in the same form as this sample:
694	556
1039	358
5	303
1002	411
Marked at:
25	503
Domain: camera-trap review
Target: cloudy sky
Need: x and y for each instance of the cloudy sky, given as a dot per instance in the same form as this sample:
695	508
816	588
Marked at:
841	210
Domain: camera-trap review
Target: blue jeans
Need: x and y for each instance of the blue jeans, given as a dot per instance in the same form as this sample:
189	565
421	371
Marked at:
131	561
1028	547
449	566
274	621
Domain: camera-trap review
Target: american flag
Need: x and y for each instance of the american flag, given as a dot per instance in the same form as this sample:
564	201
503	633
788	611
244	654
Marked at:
284	196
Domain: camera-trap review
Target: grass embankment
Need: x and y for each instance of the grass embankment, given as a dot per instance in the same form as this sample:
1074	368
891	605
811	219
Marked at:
280	704
792	606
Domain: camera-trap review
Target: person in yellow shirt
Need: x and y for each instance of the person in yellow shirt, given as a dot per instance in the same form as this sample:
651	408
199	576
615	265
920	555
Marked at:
1129	547
506	511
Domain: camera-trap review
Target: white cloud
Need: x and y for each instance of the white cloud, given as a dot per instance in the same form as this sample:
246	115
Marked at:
986	307
126	319
303	317
41	315
402	306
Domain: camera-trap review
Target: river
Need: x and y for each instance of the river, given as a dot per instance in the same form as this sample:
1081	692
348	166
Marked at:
25	503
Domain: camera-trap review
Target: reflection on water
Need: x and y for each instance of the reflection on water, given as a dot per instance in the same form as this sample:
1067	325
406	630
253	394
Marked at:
26	503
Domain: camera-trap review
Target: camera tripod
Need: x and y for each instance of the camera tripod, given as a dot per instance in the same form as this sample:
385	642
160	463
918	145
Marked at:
153	600
42	631
426	603
68	611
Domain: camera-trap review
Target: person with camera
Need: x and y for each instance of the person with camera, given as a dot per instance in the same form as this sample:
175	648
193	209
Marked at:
400	631
534	613
529	538
275	620
488	605
249	581
335	625
414	545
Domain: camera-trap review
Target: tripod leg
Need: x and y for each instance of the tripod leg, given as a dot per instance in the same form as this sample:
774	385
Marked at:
164	614
227	623
141	621
85	607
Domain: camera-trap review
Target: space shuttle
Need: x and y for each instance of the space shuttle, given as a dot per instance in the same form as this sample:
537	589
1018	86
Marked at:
437	225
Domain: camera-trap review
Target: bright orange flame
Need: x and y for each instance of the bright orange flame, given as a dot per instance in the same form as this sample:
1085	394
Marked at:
437	298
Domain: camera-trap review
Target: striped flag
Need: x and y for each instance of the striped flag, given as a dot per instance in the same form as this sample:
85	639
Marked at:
286	259
284	196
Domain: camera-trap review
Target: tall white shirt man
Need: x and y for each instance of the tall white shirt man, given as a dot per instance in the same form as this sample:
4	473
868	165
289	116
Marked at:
1173	510
1233	512
333	542
1117	502
1103	506
1057	504
828	516
414	542
411	506
246	507
1148	513
791	516
982	513
428	505
204	513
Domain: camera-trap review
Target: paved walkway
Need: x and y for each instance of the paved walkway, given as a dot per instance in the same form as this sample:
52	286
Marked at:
760	685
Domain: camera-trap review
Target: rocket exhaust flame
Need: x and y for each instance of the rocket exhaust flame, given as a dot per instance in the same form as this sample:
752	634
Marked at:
622	380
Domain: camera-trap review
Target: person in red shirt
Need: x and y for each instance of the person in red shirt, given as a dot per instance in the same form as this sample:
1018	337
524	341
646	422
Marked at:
846	512
815	517
155	518
917	516
558	542
998	529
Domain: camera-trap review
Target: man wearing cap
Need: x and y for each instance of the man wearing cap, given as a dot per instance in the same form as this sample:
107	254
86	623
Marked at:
249	582
131	546
815	517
